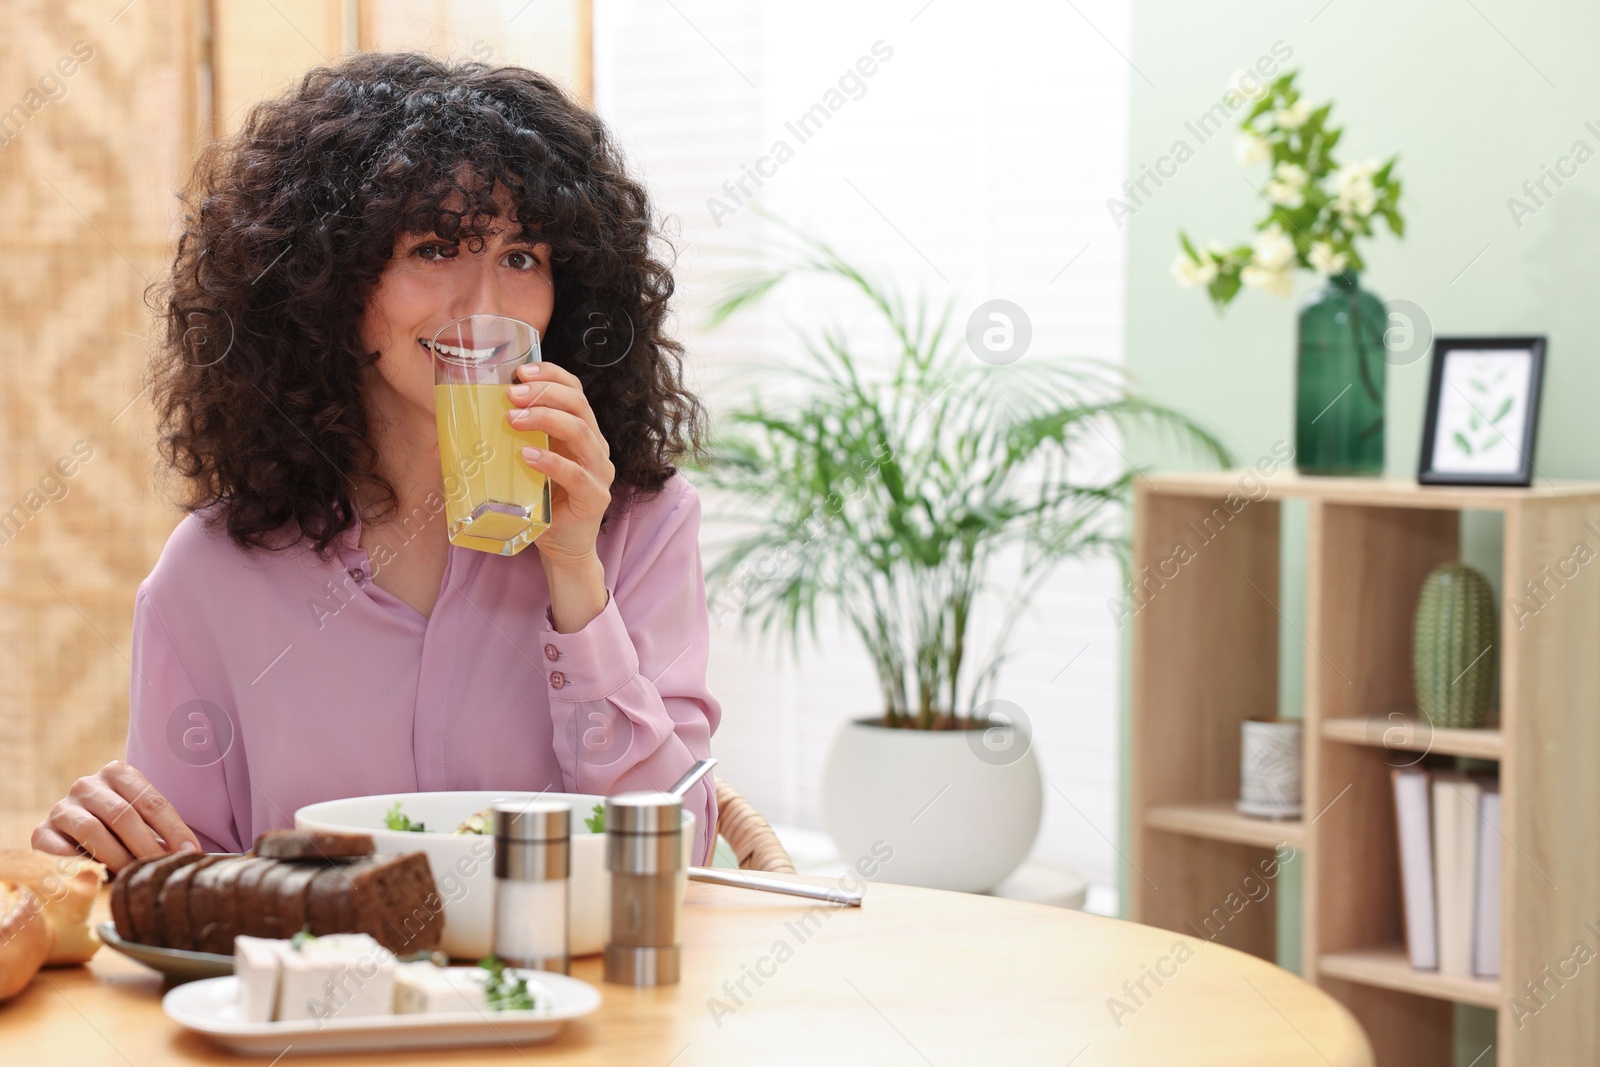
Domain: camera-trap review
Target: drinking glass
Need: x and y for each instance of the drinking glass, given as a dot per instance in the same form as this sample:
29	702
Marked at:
494	501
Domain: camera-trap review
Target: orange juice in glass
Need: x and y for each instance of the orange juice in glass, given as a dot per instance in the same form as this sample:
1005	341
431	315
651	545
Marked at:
494	501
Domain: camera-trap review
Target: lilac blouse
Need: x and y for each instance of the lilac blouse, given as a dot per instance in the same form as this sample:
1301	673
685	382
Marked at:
265	681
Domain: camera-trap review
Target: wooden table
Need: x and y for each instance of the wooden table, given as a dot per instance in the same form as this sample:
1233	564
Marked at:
915	976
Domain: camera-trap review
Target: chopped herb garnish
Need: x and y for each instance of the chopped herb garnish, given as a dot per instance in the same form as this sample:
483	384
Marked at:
500	991
396	821
302	937
596	822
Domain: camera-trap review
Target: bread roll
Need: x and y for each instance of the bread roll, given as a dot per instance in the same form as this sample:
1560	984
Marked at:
25	939
66	888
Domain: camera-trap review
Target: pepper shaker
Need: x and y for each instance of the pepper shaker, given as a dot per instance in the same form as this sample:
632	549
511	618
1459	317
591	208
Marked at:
532	869
645	858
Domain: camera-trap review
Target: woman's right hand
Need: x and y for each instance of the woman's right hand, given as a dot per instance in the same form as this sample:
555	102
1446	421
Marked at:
113	816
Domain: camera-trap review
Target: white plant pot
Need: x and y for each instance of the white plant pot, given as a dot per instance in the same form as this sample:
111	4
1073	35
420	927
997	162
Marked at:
959	808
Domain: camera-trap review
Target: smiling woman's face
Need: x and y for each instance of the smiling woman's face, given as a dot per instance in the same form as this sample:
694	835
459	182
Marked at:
430	282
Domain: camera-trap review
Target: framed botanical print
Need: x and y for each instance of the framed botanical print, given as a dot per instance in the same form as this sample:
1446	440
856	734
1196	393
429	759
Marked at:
1483	411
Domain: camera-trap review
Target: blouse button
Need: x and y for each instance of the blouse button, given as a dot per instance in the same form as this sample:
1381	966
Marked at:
557	679
550	652
355	572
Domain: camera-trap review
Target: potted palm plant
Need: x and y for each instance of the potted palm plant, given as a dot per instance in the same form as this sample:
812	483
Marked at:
891	491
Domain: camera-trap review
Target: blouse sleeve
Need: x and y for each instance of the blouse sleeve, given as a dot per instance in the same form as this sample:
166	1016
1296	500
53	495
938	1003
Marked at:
176	738
628	692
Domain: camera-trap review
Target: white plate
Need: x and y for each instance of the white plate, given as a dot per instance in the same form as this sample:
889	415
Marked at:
211	1007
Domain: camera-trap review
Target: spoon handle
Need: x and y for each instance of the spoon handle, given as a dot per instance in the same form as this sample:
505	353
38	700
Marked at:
768	883
693	775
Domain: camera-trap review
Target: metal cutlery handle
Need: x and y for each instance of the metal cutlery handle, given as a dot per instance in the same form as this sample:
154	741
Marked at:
692	775
768	883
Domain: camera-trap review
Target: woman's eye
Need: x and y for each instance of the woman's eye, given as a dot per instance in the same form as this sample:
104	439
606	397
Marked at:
434	250
521	260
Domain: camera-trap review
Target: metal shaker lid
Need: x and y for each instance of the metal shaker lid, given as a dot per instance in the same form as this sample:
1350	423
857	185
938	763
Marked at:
646	812
532	820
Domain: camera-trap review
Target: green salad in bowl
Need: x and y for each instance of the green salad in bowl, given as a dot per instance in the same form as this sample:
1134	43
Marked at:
480	822
455	829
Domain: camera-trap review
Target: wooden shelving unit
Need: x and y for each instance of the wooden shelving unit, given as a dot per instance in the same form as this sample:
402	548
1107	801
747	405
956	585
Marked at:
1220	822
1206	617
1409	735
1390	968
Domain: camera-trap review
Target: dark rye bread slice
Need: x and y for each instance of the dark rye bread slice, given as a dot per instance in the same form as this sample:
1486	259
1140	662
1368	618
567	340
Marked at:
203	897
144	895
390	896
173	903
258	904
272	898
287	887
213	900
398	903
119	897
329	896
313	845
250	903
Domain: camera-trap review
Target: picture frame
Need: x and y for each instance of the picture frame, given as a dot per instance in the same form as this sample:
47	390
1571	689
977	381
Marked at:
1483	411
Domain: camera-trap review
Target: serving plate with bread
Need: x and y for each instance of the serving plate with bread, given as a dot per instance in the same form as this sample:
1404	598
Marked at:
175	963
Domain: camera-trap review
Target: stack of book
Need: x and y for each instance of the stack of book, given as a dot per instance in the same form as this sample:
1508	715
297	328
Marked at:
1449	836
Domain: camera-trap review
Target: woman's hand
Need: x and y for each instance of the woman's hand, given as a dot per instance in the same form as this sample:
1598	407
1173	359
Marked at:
578	461
114	816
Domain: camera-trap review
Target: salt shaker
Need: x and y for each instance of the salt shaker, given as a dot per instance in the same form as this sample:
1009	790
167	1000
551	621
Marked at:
532	868
649	872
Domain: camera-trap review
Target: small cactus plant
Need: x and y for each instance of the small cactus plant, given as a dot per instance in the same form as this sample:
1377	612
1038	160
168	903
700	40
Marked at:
1455	649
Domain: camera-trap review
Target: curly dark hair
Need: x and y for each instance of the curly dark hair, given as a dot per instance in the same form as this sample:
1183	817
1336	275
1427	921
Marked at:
287	227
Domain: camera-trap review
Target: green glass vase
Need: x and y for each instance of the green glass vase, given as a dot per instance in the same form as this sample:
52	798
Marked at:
1339	392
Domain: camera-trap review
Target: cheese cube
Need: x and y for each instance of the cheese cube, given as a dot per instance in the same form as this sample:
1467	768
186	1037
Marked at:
257	963
424	987
336	976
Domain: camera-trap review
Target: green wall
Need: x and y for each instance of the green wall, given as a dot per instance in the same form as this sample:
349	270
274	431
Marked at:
1477	98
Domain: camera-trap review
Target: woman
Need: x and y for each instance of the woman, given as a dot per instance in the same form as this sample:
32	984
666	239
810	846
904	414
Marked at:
309	632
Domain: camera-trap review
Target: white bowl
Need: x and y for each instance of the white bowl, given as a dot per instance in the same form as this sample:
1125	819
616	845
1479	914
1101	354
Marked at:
463	864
